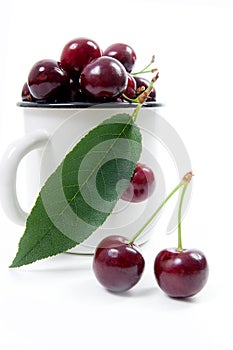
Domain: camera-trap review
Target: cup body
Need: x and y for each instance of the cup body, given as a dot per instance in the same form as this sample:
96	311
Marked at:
65	127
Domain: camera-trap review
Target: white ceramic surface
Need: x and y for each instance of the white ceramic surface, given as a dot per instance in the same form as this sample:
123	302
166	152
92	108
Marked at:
50	133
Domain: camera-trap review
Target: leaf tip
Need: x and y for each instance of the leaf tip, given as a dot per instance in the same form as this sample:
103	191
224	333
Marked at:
15	262
13	265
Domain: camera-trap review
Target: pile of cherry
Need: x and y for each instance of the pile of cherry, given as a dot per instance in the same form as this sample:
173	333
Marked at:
85	73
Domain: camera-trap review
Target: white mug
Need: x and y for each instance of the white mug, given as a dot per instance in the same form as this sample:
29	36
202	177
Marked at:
50	132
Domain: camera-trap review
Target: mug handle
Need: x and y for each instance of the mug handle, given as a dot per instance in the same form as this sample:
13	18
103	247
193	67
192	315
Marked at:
8	173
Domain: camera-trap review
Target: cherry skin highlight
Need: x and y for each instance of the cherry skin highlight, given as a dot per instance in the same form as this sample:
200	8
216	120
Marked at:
123	53
141	186
181	274
103	79
117	265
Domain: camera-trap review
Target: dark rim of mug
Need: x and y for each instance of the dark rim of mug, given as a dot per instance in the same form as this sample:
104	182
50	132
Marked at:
86	104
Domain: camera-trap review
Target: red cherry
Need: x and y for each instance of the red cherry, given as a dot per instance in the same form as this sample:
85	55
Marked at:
103	79
46	79
117	265
181	274
123	53
77	53
140	82
25	94
131	87
141	186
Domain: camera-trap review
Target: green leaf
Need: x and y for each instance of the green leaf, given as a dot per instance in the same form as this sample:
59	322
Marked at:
82	192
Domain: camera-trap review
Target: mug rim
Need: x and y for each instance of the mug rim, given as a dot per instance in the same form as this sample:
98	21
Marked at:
70	105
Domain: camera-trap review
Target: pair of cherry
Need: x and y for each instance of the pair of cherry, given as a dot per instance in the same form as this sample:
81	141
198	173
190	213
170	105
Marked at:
118	263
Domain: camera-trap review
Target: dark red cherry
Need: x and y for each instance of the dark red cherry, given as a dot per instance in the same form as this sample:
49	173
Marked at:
123	53
47	80
103	79
25	94
141	186
117	265
131	87
77	53
144	82
181	274
74	93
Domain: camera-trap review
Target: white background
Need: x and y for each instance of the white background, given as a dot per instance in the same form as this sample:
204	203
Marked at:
57	303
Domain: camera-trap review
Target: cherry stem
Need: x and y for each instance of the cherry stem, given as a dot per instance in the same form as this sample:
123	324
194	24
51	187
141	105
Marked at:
180	248
185	181
145	69
133	100
136	111
141	99
155	213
